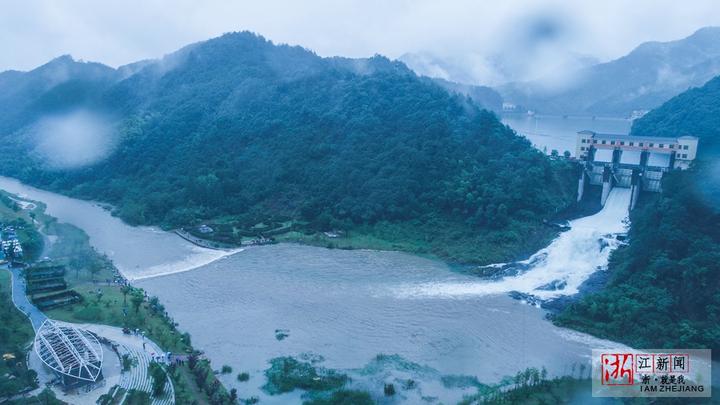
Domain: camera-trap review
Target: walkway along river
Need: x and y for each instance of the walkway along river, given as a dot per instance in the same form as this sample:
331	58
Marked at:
349	306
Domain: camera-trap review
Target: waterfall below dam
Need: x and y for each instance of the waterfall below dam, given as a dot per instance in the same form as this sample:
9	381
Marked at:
554	271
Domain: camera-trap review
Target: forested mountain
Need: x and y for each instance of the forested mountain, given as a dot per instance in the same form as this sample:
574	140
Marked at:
665	283
237	126
54	87
645	78
695	112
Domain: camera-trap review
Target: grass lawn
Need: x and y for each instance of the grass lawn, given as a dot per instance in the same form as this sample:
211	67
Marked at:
106	304
442	240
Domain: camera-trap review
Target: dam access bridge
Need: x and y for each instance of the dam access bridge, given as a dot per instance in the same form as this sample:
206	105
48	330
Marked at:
635	162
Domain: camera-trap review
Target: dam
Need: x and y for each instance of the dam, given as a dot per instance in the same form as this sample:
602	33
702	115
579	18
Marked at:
629	161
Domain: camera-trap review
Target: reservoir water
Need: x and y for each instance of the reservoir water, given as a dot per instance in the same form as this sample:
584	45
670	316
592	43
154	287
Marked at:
557	132
350	306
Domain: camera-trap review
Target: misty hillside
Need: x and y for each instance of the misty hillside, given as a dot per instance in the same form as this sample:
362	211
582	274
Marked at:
237	126
483	96
645	78
513	63
54	87
695	112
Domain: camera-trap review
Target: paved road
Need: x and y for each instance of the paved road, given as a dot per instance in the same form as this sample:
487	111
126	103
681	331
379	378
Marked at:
21	300
143	350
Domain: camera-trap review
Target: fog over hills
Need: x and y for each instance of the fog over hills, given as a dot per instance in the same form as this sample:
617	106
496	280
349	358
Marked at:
577	84
649	75
494	70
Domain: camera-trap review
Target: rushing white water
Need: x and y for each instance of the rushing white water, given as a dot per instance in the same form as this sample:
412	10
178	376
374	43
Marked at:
557	270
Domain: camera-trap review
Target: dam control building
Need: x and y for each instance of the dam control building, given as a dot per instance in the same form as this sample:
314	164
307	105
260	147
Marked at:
635	162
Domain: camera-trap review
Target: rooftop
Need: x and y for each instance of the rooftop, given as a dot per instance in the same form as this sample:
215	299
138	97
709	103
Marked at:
659	139
69	351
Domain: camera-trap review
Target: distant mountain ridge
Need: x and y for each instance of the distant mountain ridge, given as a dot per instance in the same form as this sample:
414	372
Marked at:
642	80
238	127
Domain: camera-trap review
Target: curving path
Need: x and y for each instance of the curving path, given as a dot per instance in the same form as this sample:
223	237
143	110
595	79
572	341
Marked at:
137	377
21	301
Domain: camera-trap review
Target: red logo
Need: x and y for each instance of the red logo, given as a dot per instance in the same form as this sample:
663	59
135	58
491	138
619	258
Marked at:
617	369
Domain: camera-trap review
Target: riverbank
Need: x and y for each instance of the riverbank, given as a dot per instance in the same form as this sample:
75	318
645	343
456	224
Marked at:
136	251
349	305
477	227
439	240
204	243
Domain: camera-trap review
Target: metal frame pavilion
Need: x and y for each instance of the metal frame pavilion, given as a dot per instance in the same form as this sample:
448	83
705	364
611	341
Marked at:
74	354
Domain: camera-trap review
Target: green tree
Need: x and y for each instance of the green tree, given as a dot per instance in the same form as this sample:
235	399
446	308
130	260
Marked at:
159	378
137	296
126	289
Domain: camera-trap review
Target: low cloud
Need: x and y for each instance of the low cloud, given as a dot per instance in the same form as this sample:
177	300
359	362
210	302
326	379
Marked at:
74	140
465	32
536	44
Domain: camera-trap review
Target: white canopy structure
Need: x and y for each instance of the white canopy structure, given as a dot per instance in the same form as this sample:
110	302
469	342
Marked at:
73	354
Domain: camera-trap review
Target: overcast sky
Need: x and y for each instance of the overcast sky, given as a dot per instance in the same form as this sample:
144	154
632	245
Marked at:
118	32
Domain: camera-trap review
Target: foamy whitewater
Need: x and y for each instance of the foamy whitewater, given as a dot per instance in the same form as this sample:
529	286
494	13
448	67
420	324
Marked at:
566	263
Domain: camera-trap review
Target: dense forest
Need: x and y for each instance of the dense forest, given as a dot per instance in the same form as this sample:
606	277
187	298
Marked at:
237	126
664	287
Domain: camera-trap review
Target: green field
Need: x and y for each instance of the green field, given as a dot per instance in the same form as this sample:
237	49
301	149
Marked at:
438	239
